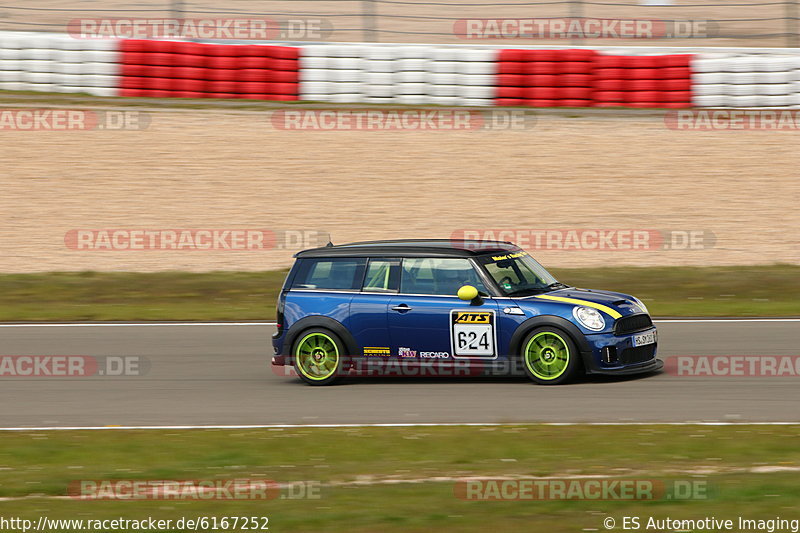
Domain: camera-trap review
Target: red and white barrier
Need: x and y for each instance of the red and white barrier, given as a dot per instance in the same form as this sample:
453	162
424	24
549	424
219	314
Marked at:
165	69
751	81
399	73
545	78
586	78
50	62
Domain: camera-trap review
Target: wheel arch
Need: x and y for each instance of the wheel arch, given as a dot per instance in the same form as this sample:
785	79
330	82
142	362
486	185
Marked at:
553	321
319	321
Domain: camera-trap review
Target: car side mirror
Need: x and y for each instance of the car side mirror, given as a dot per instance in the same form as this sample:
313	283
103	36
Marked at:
469	293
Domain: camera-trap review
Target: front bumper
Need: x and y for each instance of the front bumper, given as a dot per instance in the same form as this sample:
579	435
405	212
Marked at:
653	365
617	354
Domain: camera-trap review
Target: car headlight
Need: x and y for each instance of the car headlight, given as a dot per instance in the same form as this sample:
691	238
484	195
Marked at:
589	318
641	304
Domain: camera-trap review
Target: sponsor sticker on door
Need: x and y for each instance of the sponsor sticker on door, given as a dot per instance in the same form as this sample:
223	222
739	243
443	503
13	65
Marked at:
473	334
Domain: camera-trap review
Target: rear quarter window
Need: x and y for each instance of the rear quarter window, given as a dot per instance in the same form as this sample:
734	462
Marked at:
335	273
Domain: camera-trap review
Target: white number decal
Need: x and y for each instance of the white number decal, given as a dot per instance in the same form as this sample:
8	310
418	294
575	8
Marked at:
473	333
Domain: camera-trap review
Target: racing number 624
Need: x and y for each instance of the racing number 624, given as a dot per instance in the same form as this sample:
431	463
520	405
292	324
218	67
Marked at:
470	340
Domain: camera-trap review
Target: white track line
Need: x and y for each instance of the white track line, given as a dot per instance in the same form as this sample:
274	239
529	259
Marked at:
170	324
396	425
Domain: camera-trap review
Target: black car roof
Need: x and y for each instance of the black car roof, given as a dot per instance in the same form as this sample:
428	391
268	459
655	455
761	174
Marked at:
413	248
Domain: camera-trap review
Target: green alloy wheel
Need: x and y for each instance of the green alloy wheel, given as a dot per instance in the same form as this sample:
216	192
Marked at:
549	356
318	356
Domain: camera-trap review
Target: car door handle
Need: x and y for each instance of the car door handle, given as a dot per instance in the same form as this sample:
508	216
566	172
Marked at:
401	308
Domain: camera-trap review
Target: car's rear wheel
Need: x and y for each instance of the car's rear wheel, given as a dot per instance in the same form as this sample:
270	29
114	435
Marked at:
549	356
318	356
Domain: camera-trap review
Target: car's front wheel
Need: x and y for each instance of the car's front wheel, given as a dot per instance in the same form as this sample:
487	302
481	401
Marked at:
549	356
318	356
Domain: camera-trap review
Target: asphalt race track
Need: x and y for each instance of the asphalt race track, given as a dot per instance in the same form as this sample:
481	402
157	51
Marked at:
219	375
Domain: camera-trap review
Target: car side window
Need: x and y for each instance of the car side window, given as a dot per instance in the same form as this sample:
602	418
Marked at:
499	272
438	276
330	273
383	275
512	270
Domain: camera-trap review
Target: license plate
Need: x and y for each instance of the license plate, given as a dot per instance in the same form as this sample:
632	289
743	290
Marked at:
644	339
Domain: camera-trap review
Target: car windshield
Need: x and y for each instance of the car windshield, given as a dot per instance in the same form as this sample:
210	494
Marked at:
518	274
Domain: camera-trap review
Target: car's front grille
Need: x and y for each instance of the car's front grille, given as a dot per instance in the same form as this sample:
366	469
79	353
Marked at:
632	324
638	354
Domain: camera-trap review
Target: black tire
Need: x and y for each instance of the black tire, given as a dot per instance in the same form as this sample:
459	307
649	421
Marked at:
314	364
544	362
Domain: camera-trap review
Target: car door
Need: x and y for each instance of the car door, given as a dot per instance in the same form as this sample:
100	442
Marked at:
368	320
427	320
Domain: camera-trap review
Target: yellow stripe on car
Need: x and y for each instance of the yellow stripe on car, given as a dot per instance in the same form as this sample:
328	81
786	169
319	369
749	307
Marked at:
613	314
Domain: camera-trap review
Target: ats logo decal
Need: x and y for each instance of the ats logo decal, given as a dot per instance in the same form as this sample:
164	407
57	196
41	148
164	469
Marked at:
469	317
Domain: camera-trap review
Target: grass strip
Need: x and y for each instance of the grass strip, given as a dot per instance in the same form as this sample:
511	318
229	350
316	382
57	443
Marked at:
44	463
668	291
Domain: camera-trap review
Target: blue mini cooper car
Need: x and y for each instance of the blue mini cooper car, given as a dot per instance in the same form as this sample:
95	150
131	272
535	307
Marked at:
452	302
